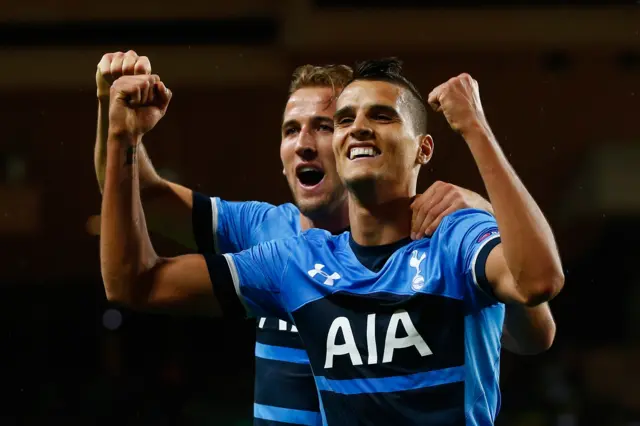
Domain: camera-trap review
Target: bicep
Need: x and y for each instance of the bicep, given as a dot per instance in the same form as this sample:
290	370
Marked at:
179	284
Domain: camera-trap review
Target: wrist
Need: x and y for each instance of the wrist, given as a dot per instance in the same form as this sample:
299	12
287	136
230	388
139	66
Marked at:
476	129
123	137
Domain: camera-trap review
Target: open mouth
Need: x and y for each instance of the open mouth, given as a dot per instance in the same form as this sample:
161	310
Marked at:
309	176
363	152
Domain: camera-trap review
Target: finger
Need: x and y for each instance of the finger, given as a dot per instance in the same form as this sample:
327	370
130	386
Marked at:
426	194
424	212
418	205
116	65
163	95
151	94
429	223
104	66
134	89
129	62
434	97
436	222
132	95
143	66
145	87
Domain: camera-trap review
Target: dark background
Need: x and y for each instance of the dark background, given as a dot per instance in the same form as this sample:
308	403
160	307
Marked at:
561	89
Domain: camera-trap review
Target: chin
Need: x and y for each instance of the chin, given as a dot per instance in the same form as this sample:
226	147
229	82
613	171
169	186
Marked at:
360	178
312	206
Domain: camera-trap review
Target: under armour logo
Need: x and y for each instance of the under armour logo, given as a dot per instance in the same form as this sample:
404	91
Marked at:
418	280
329	279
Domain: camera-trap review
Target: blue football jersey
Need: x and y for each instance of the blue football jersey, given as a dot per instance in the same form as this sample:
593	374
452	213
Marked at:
284	389
417	343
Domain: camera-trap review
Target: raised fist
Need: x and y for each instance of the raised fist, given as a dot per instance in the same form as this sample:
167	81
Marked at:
115	65
459	100
137	103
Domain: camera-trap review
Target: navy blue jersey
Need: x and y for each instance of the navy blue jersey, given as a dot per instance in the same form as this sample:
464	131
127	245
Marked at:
416	343
284	389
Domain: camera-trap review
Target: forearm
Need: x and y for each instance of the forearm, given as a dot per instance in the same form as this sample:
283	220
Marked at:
528	244
148	176
168	205
100	148
125	248
528	330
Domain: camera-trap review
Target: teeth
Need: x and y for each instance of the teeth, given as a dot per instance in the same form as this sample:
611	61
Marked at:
362	152
307	169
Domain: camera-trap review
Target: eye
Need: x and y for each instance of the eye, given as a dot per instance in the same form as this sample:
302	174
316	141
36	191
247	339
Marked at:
325	128
290	131
383	117
344	121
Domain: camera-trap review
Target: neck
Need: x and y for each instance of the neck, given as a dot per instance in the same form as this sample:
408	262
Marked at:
335	222
380	223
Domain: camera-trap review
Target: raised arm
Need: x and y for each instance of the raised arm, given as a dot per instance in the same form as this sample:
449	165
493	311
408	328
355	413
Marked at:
526	330
525	268
133	273
168	206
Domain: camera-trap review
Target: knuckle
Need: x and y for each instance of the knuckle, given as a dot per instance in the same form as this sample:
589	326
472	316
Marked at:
447	188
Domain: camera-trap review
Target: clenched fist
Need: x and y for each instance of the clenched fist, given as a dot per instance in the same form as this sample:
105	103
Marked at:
137	103
114	65
459	100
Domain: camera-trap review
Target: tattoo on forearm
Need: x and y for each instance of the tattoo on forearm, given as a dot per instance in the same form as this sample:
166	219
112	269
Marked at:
131	155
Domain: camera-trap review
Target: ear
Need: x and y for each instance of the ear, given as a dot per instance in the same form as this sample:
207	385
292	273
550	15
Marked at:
425	149
284	171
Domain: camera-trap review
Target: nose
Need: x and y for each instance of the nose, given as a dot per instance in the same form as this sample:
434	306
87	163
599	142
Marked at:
361	130
306	147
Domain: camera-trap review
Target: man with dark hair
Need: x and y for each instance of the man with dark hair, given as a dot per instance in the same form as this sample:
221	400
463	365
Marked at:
390	69
330	286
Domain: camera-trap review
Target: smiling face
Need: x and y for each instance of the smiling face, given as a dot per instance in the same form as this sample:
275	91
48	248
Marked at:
375	140
306	151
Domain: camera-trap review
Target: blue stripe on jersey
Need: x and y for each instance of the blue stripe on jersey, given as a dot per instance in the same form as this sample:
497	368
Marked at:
392	384
279	353
437	405
286	415
264	422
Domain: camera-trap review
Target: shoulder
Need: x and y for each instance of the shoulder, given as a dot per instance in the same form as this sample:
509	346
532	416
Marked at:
316	236
469	216
462	221
261	205
286	211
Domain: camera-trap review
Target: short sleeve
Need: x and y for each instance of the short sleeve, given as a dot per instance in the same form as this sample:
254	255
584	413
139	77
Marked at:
221	226
469	236
255	278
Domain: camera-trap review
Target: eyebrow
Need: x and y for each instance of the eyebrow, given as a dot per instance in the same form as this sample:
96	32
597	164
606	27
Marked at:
343	111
